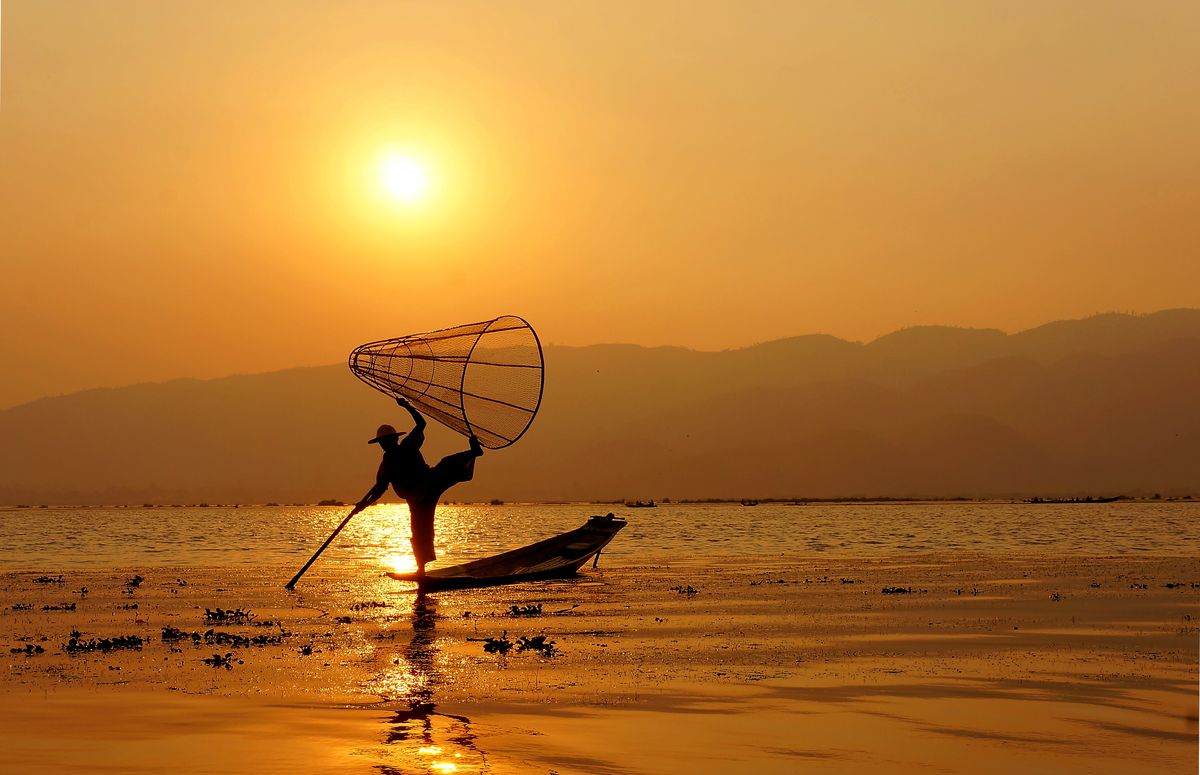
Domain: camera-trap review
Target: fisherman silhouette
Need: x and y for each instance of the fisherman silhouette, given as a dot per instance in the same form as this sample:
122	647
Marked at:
421	486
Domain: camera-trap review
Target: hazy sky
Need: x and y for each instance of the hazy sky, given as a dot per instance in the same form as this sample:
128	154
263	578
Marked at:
188	188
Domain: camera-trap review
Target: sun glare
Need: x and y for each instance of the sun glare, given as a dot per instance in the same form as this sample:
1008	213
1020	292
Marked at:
402	178
400	563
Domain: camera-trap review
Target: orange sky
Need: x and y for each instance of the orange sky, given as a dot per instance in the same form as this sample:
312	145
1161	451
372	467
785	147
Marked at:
185	186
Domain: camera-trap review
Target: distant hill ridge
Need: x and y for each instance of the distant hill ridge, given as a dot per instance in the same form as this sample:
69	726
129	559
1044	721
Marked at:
1103	405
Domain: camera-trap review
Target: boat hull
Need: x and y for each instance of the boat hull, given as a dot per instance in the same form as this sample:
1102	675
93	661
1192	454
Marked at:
558	557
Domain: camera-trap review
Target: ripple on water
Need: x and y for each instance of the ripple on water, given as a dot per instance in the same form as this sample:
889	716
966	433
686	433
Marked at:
217	536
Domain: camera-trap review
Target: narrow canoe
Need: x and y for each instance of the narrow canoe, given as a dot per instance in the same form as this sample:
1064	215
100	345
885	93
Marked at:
557	557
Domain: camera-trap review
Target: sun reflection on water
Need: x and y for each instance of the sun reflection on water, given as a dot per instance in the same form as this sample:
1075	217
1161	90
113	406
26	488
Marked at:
419	738
399	563
385	532
407	681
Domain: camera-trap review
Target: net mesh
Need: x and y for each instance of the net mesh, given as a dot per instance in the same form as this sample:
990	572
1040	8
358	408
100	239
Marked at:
479	378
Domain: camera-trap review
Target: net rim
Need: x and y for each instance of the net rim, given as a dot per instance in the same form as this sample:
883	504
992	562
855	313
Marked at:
487	327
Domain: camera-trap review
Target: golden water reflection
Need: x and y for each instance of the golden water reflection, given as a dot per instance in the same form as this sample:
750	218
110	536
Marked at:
461	532
419	738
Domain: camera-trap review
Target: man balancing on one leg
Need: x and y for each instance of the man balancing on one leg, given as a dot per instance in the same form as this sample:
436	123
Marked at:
405	469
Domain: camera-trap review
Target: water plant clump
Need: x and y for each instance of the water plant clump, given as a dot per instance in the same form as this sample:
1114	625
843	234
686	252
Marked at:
501	645
219	638
227	616
533	609
367	605
227	661
77	645
539	644
172	634
29	649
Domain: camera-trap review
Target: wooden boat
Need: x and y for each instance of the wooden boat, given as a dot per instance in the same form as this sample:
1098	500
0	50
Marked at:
557	557
1087	499
641	505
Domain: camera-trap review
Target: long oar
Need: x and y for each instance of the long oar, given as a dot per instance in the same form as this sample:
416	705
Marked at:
292	584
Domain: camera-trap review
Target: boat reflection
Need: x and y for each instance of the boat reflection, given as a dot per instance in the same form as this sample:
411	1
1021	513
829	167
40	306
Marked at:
419	738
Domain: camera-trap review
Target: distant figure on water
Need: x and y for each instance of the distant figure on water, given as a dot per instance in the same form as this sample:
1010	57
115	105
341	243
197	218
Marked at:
421	486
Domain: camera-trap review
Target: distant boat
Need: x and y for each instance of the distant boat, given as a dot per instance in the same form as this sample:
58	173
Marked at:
642	505
558	557
749	503
1085	499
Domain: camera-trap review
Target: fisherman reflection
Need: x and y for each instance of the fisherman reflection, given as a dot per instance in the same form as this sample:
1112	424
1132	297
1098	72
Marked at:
404	468
430	741
419	658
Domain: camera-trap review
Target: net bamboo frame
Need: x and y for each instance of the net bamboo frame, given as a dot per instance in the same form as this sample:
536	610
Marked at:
483	379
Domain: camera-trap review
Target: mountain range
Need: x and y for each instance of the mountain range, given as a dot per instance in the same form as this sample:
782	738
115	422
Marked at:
1105	405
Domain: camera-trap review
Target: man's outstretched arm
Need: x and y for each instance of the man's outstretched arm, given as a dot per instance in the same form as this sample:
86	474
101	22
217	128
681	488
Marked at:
417	418
374	494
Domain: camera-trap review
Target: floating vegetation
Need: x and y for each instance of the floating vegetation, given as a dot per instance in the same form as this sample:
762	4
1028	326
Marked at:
533	609
227	661
503	645
171	634
897	590
1136	585
128	606
342	619
227	616
500	645
1056	596
23	607
219	638
134	582
539	644
82	591
60	607
49	579
688	590
240	641
368	605
29	649
306	650
76	645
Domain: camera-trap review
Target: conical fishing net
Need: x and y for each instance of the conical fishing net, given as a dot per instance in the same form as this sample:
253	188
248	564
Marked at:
481	378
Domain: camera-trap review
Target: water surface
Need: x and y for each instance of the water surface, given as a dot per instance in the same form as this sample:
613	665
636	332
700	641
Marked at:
63	538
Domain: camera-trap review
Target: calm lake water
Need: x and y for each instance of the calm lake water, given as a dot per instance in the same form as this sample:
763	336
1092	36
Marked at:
65	538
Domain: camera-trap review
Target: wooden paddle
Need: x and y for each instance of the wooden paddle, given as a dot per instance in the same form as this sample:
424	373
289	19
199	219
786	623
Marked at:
292	584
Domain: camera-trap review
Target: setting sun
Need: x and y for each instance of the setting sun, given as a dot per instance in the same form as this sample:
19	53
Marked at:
402	178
